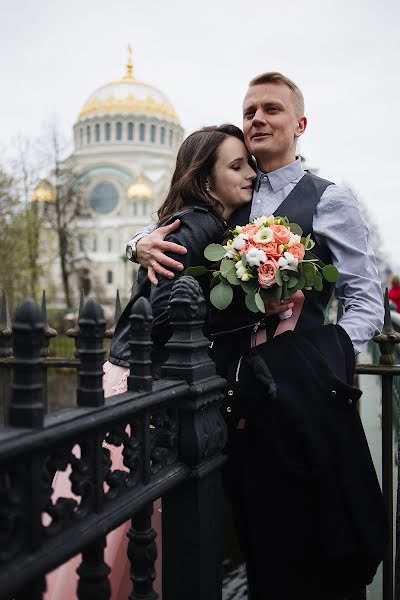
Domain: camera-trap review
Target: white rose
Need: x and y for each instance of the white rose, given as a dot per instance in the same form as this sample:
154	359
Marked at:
295	239
264	236
255	257
240	241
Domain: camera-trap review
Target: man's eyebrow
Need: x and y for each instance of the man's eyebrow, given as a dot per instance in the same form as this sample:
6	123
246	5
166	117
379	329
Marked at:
247	107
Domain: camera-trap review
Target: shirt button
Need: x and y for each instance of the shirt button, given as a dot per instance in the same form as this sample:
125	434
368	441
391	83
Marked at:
230	393
228	409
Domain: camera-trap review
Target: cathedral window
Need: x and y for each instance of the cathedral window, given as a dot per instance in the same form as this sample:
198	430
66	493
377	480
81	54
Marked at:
95	244
109	276
97	132
118	132
130	132
145	207
109	244
171	133
162	135
153	133
81	136
142	130
107	132
103	198
134	208
81	243
88	134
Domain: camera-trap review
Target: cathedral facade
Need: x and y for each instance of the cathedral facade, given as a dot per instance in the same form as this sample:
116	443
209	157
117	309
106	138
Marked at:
125	143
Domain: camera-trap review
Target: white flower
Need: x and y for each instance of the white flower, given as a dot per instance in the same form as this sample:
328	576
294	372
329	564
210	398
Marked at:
239	228
255	257
230	254
288	261
261	221
240	241
295	239
264	236
241	271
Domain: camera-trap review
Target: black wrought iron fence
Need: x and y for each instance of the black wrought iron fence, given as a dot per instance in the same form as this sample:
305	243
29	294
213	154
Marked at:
171	434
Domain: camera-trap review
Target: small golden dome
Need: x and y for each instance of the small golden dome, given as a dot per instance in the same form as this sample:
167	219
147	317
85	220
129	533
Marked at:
140	189
128	95
44	192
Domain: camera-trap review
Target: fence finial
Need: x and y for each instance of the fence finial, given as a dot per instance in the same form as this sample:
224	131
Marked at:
141	319
26	406
92	326
188	347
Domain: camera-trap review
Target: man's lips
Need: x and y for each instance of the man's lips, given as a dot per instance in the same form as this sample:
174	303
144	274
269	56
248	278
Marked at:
260	134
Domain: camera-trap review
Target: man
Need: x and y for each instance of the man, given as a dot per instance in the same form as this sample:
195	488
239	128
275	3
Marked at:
273	120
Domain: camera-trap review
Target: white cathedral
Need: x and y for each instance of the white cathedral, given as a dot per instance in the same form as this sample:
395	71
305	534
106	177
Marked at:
125	143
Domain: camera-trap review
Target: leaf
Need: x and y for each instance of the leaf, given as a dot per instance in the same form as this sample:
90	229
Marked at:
278	277
277	290
296	229
318	283
285	292
221	295
226	266
251	302
215	280
330	273
249	286
259	302
196	271
285	275
292	281
232	278
214	252
243	259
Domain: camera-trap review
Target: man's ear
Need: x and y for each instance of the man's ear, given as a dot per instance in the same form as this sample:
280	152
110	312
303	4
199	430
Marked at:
301	126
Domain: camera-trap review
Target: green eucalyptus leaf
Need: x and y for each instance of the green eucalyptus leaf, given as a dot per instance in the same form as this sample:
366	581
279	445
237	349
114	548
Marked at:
214	252
278	277
251	302
249	286
285	275
196	271
221	295
318	283
277	291
232	278
285	292
226	266
330	273
259	302
292	281
296	229
215	280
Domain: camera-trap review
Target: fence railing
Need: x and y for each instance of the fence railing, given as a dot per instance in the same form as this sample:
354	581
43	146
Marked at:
171	434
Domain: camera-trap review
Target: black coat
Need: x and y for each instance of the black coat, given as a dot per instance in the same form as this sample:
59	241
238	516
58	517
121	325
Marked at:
199	227
301	478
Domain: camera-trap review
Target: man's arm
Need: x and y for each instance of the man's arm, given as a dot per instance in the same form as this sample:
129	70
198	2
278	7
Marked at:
151	249
339	223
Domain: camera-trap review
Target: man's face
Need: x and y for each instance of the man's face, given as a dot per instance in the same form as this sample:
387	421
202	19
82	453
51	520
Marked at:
270	124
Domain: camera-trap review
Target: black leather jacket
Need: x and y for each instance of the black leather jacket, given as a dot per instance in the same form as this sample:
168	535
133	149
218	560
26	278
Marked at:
199	227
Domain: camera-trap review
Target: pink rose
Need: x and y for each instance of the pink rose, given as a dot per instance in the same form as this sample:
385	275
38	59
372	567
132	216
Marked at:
266	273
250	230
297	250
281	233
271	249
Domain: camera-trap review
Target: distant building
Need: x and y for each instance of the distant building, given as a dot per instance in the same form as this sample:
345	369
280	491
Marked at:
126	140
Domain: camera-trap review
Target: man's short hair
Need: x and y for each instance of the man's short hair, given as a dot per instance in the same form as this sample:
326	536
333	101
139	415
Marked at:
275	77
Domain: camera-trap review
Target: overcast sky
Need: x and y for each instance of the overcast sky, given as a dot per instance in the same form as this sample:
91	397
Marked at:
344	54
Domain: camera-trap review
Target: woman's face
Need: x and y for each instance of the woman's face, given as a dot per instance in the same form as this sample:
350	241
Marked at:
231	180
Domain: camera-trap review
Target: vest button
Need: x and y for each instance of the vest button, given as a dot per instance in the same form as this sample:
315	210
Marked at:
350	401
230	393
333	393
228	409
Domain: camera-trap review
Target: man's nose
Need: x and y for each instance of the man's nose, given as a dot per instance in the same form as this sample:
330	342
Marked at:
259	117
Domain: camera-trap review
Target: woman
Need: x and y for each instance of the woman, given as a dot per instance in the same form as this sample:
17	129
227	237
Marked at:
213	176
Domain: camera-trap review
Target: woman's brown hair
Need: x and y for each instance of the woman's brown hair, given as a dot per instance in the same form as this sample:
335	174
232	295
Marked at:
194	163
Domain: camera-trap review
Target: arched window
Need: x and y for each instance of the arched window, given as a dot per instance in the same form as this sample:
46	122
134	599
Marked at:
153	133
109	276
81	243
142	130
107	132
134	208
97	132
95	244
130	132
81	136
88	134
118	133
145	207
109	244
162	135
171	133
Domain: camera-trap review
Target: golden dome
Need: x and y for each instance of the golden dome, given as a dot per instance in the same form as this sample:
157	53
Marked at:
128	95
140	189
44	192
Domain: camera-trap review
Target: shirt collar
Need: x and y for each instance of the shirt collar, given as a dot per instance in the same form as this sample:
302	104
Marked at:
279	178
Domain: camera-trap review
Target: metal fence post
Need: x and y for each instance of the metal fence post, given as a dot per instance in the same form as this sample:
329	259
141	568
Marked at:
192	511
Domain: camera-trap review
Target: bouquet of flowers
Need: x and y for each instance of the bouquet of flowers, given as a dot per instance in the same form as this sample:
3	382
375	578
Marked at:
268	257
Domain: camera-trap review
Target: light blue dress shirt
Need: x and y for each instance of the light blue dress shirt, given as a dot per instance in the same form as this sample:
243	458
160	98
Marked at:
338	224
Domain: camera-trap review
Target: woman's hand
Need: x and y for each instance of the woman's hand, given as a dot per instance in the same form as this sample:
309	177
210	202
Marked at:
274	308
150	252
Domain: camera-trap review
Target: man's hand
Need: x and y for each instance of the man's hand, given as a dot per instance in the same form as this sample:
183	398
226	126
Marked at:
150	252
274	308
